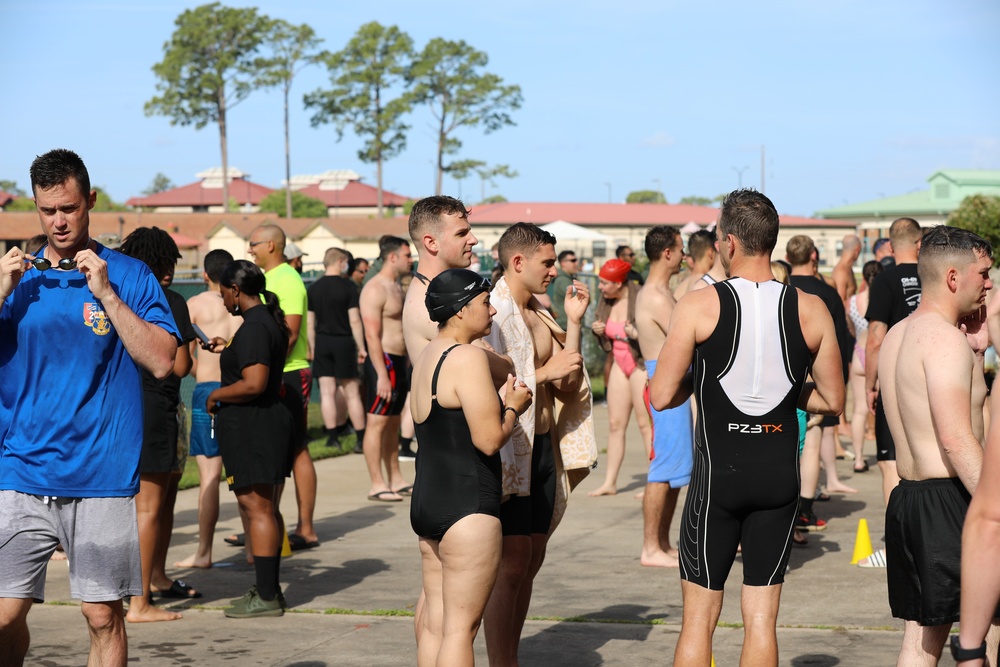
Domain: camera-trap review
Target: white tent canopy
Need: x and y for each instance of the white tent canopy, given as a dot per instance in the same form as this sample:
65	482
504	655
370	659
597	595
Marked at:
691	228
567	231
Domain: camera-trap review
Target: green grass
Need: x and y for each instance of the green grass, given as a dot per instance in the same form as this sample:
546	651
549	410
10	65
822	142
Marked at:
317	448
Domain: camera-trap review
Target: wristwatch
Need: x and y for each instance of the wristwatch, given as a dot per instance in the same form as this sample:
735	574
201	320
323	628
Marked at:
961	654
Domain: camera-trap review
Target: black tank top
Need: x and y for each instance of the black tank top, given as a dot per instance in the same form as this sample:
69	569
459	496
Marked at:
748	378
453	478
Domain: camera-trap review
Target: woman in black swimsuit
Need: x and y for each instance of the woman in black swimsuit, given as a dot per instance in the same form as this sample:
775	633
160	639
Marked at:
461	424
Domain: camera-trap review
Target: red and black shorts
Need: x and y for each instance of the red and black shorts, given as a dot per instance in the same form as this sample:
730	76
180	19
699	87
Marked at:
399	377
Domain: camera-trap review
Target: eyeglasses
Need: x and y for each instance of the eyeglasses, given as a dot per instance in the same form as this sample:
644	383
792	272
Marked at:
42	264
254	244
571	259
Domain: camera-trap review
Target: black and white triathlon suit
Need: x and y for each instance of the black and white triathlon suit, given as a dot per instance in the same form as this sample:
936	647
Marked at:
748	376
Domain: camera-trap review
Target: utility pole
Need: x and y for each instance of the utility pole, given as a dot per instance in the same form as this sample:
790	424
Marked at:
609	192
762	191
739	173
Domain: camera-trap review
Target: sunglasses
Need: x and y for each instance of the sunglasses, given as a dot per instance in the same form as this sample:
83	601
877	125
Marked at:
43	264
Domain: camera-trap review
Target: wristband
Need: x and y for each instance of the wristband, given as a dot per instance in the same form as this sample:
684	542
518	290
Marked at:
503	414
960	654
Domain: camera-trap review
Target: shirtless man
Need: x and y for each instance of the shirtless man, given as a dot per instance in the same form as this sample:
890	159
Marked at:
670	465
931	374
738	497
715	274
701	258
208	312
843	273
537	463
387	374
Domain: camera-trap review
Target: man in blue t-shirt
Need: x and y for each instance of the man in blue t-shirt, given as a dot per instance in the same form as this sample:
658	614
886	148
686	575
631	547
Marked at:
77	321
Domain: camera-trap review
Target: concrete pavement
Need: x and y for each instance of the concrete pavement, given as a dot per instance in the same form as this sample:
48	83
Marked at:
593	604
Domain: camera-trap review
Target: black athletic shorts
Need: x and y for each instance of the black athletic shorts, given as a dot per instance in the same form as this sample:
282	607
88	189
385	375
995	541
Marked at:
885	446
923	547
830	420
399	377
527	515
254	443
336	357
159	442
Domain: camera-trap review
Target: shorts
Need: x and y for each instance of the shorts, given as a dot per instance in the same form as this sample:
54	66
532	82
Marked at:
298	388
803	418
203	443
100	537
672	454
830	421
885	446
335	356
254	442
923	546
532	514
159	442
183	439
399	378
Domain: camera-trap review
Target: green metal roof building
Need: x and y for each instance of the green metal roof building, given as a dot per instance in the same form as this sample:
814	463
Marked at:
948	187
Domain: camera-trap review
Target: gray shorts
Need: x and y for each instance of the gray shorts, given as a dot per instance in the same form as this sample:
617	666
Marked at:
100	537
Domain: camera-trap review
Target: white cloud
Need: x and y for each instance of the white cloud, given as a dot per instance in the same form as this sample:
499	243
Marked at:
658	140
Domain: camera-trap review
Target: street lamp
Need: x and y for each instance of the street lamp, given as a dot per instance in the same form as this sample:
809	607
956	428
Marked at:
657	181
740	174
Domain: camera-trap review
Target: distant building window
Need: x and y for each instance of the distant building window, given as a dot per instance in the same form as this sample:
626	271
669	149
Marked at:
199	209
942	191
600	249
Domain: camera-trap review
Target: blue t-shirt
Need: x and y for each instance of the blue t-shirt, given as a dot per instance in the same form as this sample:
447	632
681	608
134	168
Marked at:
71	406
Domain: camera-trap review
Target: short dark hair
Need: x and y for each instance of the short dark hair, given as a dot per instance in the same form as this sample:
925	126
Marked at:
945	244
658	239
699	243
55	168
566	253
428	211
751	217
620	250
389	244
524	238
154	247
216	262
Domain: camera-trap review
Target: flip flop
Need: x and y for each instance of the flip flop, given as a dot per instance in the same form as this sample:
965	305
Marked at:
378	497
863	469
179	590
237	540
405	491
877	559
298	543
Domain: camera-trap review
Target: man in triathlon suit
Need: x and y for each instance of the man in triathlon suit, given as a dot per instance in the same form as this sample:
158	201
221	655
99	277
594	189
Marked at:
931	373
387	372
895	293
752	341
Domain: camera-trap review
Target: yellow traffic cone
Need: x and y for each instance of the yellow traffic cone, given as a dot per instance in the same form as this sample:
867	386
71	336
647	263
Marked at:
713	660
862	543
286	548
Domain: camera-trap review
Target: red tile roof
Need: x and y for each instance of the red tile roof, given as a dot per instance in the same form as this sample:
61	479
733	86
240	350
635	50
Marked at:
355	193
5	198
617	214
193	194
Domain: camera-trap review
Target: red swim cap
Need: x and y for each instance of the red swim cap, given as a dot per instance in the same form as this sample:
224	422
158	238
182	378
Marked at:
615	270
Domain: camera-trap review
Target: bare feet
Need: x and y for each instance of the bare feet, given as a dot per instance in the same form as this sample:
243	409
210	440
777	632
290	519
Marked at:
194	561
603	490
659	558
843	488
140	611
639	495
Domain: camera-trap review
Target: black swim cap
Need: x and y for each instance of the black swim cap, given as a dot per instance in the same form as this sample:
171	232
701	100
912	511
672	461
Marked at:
451	290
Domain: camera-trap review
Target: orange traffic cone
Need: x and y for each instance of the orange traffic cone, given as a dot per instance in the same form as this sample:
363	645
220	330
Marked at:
862	543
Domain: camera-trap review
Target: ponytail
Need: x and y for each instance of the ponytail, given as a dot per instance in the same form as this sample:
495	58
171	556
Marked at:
274	308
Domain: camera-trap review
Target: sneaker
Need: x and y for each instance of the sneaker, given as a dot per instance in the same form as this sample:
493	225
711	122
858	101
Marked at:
359	448
252	605
333	441
407	455
809	522
282	601
242	600
877	559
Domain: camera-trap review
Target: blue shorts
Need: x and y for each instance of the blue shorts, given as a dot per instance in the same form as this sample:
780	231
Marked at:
672	455
202	442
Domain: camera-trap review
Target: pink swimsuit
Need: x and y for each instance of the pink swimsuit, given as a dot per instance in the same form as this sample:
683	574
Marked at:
620	348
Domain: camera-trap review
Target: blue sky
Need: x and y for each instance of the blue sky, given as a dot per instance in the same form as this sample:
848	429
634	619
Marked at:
853	100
